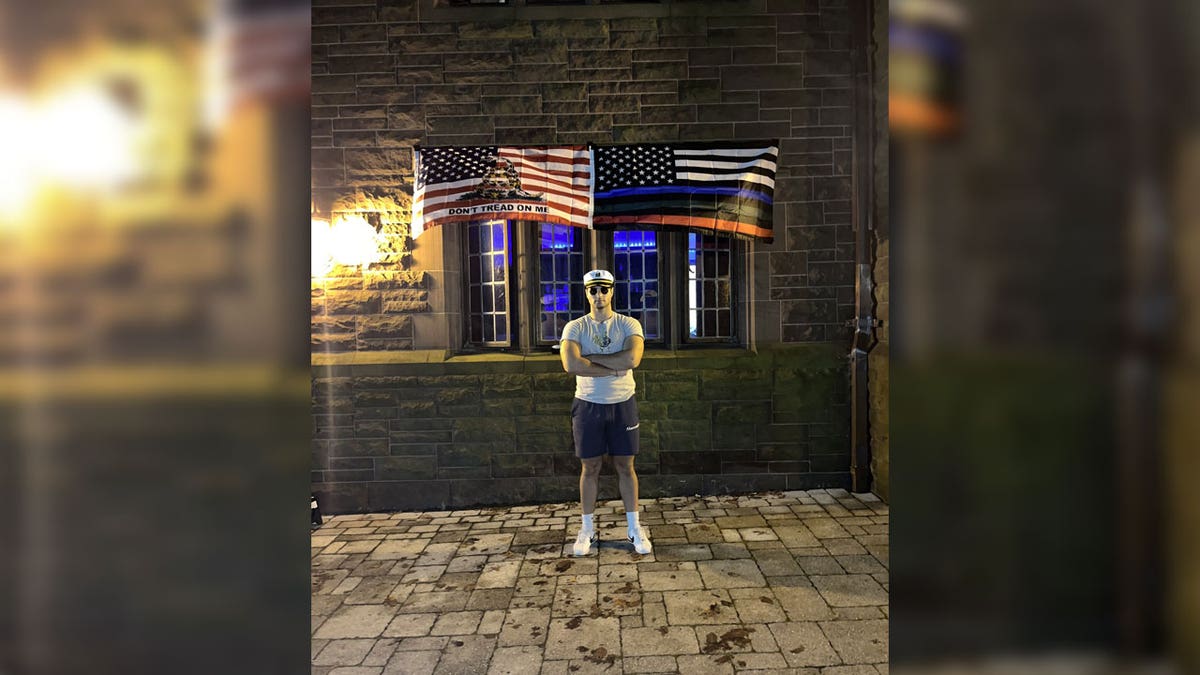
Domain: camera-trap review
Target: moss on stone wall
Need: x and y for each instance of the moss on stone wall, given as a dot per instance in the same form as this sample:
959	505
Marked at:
495	429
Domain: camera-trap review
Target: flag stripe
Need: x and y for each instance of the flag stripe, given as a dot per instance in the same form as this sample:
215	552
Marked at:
731	226
700	201
739	184
683	208
727	152
560	161
558	169
442	195
744	177
766	190
765	164
529	175
635	193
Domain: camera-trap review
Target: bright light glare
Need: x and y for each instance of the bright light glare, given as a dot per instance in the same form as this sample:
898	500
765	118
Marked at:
16	170
354	241
86	139
78	138
322	236
350	241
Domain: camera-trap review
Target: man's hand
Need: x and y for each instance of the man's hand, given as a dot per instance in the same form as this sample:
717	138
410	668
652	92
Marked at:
627	359
576	364
619	373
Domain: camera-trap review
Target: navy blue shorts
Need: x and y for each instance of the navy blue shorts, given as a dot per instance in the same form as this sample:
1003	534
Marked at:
605	428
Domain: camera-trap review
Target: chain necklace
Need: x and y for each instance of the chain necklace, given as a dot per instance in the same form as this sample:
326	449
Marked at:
601	341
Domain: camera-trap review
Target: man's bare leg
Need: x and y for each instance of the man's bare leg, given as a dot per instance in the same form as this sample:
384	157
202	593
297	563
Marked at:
627	481
589	486
589	483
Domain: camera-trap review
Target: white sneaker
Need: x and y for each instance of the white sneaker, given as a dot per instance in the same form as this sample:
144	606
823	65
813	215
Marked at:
640	540
584	542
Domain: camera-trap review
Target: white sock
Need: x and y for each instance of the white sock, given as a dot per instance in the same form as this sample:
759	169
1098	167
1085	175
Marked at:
588	522
632	518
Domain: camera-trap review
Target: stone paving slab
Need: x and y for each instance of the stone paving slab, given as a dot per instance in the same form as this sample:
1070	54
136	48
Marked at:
792	582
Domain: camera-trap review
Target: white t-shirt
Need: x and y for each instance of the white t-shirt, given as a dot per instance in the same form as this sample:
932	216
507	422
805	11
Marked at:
603	337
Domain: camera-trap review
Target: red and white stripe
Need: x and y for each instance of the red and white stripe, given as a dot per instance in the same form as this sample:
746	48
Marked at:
257	57
561	175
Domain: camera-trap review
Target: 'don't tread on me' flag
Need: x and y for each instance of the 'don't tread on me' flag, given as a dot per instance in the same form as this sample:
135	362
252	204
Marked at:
721	187
549	184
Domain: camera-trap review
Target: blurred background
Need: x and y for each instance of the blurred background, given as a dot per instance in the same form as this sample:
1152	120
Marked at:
154	426
1044	380
1045	369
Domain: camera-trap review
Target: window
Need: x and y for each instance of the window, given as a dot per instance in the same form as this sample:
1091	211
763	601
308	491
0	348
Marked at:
544	283
704	269
523	283
561	266
709	287
489	256
635	265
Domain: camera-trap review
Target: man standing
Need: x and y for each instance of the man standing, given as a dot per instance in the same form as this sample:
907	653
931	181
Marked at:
601	349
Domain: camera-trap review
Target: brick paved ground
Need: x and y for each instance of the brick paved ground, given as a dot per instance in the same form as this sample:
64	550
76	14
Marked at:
791	582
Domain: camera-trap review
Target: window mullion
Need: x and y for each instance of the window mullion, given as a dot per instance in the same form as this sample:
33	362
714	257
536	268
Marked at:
559	258
602	250
677	302
523	289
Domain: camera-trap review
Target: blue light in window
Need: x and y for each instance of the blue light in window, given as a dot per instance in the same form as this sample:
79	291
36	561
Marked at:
624	240
557	238
498	236
556	298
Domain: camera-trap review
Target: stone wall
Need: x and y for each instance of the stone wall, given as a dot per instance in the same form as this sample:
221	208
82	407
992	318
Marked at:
388	77
402	424
496	430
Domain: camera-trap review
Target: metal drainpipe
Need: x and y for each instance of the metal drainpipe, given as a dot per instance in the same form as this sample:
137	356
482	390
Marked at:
862	185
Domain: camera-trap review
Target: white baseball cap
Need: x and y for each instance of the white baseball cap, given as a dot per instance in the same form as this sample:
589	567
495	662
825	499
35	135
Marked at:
602	277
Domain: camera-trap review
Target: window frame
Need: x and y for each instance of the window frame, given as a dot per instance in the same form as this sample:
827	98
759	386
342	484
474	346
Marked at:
524	280
736	295
512	234
672	284
664	301
533	297
523	291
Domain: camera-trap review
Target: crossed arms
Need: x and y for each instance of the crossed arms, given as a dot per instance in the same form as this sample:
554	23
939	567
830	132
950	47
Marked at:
602	365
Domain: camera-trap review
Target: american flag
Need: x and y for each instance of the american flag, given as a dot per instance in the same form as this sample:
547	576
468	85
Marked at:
724	187
257	52
452	184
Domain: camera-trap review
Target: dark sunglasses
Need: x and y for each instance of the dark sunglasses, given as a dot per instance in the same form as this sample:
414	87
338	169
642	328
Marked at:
602	289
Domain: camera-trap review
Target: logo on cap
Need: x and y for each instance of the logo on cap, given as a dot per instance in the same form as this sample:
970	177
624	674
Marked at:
595	277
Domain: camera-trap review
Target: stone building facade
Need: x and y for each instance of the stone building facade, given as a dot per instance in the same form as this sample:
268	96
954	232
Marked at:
408	414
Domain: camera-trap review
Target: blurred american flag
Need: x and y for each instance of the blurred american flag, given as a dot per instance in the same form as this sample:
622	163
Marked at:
258	54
